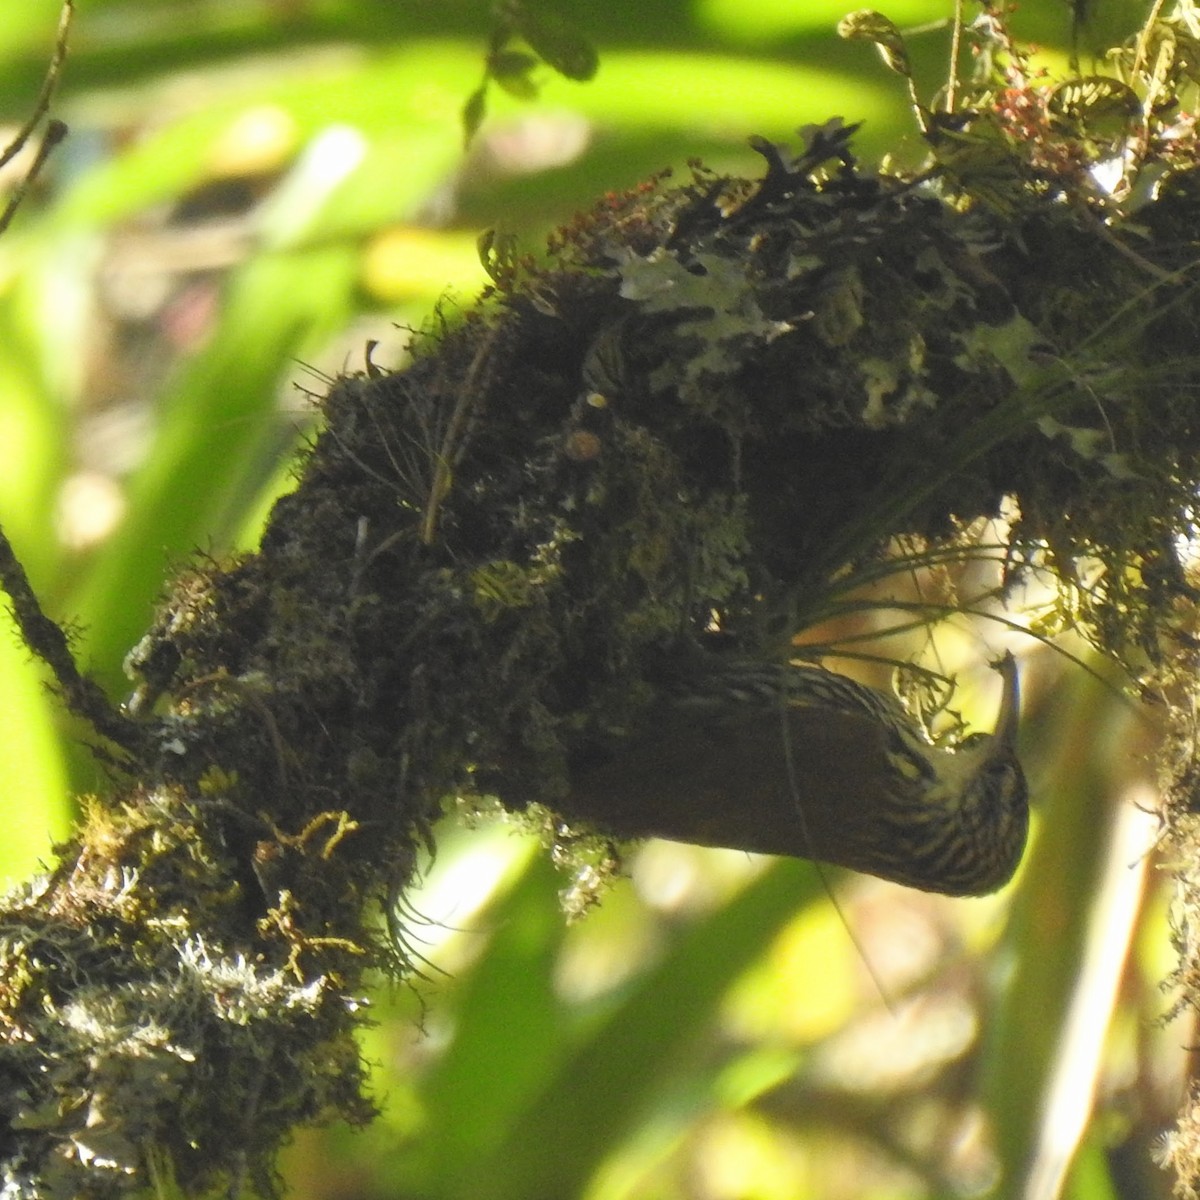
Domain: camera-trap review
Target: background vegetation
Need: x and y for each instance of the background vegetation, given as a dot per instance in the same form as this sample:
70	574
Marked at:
255	189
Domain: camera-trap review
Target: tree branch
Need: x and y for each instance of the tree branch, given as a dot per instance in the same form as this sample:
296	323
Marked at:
710	407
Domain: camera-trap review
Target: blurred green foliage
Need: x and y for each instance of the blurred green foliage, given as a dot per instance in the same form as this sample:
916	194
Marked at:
255	185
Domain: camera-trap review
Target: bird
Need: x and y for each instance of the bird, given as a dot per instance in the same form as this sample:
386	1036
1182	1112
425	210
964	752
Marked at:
795	759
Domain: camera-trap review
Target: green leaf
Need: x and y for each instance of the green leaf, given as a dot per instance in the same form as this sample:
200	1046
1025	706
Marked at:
867	25
509	1039
512	62
602	1084
219	428
559	42
474	110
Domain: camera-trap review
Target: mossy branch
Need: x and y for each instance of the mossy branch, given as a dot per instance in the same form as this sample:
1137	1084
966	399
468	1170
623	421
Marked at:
702	410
